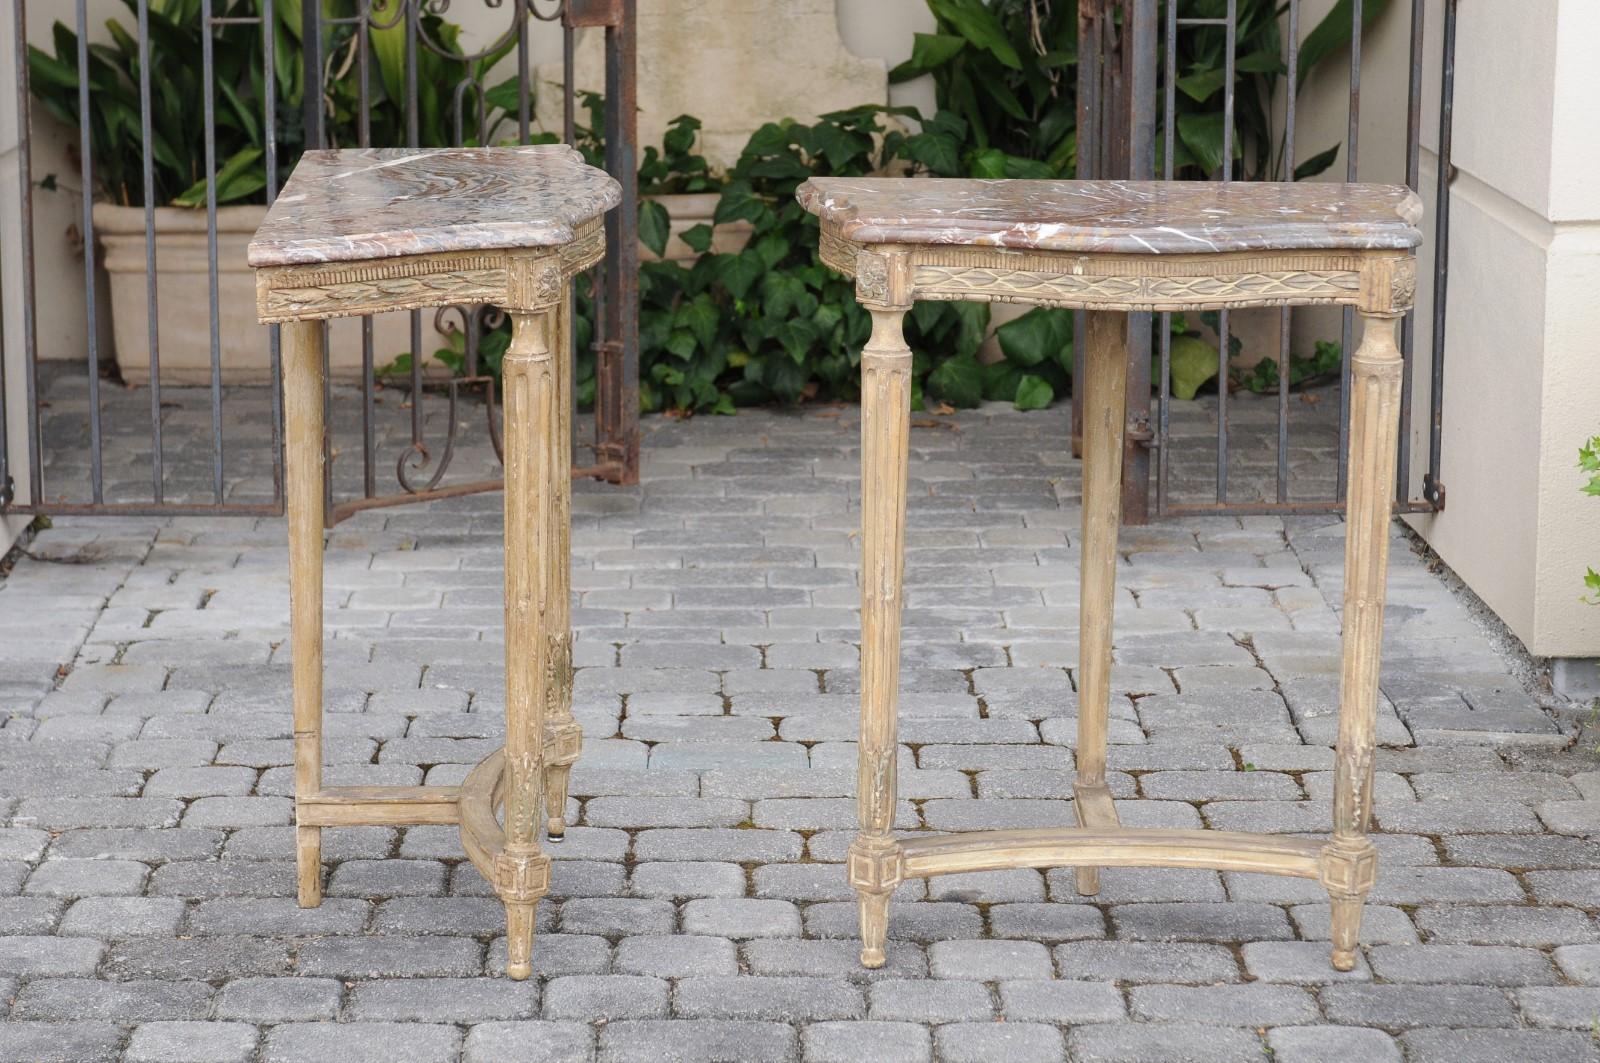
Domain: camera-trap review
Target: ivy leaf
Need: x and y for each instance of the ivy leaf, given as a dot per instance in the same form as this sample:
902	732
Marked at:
655	226
1040	334
739	202
1000	380
738	273
1034	393
958	381
698	237
700	317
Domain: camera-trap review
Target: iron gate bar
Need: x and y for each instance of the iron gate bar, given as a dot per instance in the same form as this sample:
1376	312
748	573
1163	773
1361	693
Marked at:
1097	48
1432	486
616	444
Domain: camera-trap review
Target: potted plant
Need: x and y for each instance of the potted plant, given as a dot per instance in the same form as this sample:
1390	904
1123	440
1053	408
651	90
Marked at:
178	169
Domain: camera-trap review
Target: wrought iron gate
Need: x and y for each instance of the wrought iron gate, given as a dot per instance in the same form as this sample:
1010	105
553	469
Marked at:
1128	79
367	64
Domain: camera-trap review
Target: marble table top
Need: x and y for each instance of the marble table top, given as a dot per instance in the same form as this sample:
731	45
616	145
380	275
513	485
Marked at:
359	204
1116	217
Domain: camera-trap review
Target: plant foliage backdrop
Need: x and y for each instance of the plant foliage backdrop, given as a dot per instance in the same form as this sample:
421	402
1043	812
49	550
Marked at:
767	322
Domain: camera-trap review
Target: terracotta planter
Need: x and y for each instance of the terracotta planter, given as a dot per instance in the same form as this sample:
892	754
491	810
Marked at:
183	310
687	210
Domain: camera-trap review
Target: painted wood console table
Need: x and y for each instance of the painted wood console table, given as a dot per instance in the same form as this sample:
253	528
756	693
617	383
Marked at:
1110	248
365	231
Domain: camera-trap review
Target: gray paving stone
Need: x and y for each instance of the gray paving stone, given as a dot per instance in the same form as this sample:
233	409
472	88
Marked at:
676	956
1201	922
1494	965
1164	1043
1396	1007
1484	1046
1252	1004
135	1000
1331	1044
529	1042
741	917
275	1000
917	1000
1581	963
1061	1002
459	1000
615	916
758	997
122	917
1564	1007
1495	925
192	1042
361	1042
805	957
697	1041
605	997
850	1042
60	1042
378	957
1016	1042
1141	961
43	957
989	960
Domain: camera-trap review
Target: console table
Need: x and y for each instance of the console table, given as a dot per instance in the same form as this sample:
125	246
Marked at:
364	231
1111	247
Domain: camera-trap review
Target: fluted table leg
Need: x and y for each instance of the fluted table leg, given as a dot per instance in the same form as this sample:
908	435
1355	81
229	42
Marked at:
1349	860
303	442
875	859
522	872
563	737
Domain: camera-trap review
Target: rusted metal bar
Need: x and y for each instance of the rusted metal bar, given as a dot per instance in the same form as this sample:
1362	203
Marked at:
617	366
1432	485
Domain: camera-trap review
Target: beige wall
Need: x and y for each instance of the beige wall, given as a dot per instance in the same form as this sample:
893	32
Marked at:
1521	379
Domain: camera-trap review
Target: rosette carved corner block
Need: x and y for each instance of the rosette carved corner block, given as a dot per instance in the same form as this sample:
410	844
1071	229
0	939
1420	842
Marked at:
359	232
1113	247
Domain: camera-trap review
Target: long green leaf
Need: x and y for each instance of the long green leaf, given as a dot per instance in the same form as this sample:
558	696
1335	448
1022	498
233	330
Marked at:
1334	31
974	21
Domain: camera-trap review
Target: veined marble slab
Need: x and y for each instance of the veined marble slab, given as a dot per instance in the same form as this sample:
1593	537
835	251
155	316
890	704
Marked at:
360	204
1117	217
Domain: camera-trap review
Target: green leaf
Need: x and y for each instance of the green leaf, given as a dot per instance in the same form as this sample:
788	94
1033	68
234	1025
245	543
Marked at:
958	381
698	237
928	51
940	154
1334	32
989	163
739	202
1034	393
1194	361
1201	86
1316	164
1041	334
234	180
655	226
974	21
1000	380
1202	135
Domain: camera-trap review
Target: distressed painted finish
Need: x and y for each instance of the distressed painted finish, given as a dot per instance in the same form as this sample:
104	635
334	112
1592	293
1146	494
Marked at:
504	226
1114	247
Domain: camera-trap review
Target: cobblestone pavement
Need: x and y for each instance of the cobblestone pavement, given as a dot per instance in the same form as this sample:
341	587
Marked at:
699	908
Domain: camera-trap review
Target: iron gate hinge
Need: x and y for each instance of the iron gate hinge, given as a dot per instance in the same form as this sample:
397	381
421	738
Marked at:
1138	430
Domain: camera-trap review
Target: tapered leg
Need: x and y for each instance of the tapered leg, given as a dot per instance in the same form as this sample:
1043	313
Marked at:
303	442
563	738
1104	414
522	872
876	863
1349	860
